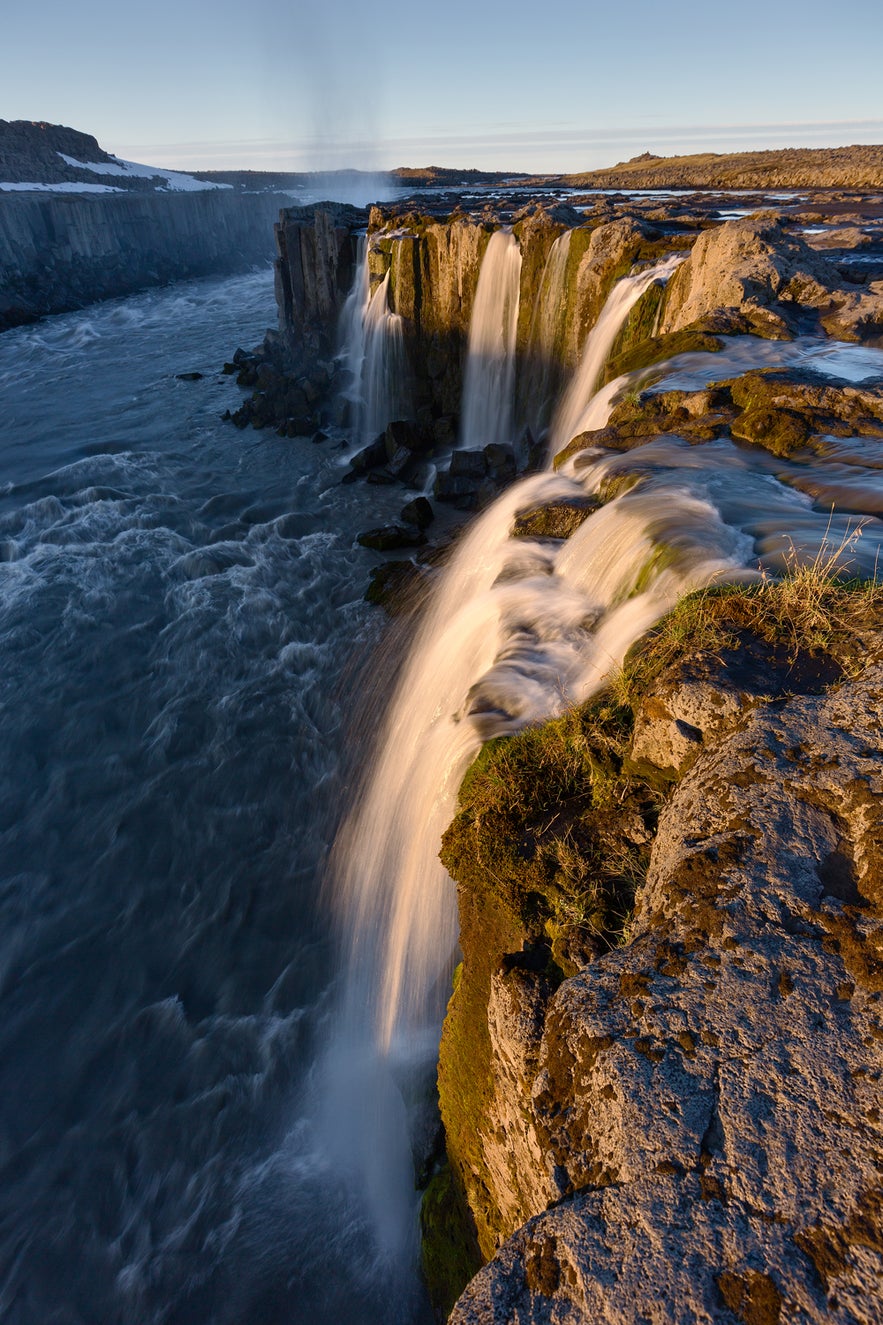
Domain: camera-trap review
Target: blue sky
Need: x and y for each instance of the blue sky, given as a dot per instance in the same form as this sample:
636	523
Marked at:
520	86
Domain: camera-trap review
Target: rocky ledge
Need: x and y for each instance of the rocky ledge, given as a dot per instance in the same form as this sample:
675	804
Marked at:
661	1066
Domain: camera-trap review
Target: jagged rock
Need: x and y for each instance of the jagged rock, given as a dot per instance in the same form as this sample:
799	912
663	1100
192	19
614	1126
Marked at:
752	267
418	512
858	317
370	457
702	1107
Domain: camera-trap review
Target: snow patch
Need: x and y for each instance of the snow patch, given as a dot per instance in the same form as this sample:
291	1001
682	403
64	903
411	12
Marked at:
175	181
59	188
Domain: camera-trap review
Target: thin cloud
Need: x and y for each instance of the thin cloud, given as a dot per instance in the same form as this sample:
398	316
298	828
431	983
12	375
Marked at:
512	148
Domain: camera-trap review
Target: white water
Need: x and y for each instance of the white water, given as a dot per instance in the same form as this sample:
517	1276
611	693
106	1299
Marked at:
504	642
372	348
489	377
572	416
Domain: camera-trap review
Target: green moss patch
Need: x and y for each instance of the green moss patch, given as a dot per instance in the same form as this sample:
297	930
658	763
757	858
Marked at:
449	1247
650	350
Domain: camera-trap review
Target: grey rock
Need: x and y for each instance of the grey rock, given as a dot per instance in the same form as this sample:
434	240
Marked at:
703	1108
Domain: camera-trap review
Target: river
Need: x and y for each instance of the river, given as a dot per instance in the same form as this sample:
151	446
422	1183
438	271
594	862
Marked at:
181	631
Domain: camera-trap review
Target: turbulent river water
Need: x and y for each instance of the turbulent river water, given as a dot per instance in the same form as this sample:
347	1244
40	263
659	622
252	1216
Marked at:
181	629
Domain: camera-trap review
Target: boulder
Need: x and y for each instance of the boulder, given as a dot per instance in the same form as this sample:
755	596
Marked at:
392	536
754	268
418	512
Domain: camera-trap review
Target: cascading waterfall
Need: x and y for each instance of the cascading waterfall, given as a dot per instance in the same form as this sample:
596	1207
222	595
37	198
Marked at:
489	377
571	417
519	630
372	348
504	643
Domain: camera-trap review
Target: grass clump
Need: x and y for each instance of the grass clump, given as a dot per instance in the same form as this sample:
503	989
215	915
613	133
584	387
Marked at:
816	608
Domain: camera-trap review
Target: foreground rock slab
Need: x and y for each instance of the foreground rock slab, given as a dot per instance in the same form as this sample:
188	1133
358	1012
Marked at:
701	1109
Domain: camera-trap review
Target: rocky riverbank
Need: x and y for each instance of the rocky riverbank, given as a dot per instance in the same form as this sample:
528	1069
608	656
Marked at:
660	1071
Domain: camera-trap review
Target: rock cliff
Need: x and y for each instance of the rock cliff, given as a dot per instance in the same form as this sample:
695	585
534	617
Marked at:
688	1127
62	251
661	1075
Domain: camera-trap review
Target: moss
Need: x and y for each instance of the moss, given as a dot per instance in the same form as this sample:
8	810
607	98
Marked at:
779	431
450	1251
644	352
548	847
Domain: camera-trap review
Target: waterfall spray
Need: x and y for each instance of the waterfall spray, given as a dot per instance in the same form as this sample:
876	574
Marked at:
489	377
372	348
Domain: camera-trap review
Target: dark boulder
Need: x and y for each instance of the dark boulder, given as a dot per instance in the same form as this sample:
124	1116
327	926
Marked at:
418	512
392	536
468	464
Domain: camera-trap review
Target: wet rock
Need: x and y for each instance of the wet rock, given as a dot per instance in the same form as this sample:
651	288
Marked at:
500	462
556	520
779	431
371	456
453	487
390	537
400	587
189	377
468	464
418	512
402	435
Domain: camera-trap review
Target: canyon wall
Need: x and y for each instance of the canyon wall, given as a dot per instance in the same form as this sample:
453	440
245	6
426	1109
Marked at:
62	251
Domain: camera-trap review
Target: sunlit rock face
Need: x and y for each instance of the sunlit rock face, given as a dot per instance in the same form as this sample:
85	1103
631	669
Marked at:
701	1108
659	1072
755	274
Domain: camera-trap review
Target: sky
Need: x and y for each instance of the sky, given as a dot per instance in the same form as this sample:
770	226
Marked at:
528	86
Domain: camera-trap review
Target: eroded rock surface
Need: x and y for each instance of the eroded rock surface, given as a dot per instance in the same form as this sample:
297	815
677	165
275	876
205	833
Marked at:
754	275
701	1108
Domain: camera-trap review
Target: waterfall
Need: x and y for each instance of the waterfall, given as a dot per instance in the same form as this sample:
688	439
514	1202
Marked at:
545	326
505	642
489	376
572	416
372	349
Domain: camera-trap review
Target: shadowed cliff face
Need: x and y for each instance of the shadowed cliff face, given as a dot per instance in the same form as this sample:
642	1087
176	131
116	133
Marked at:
65	251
